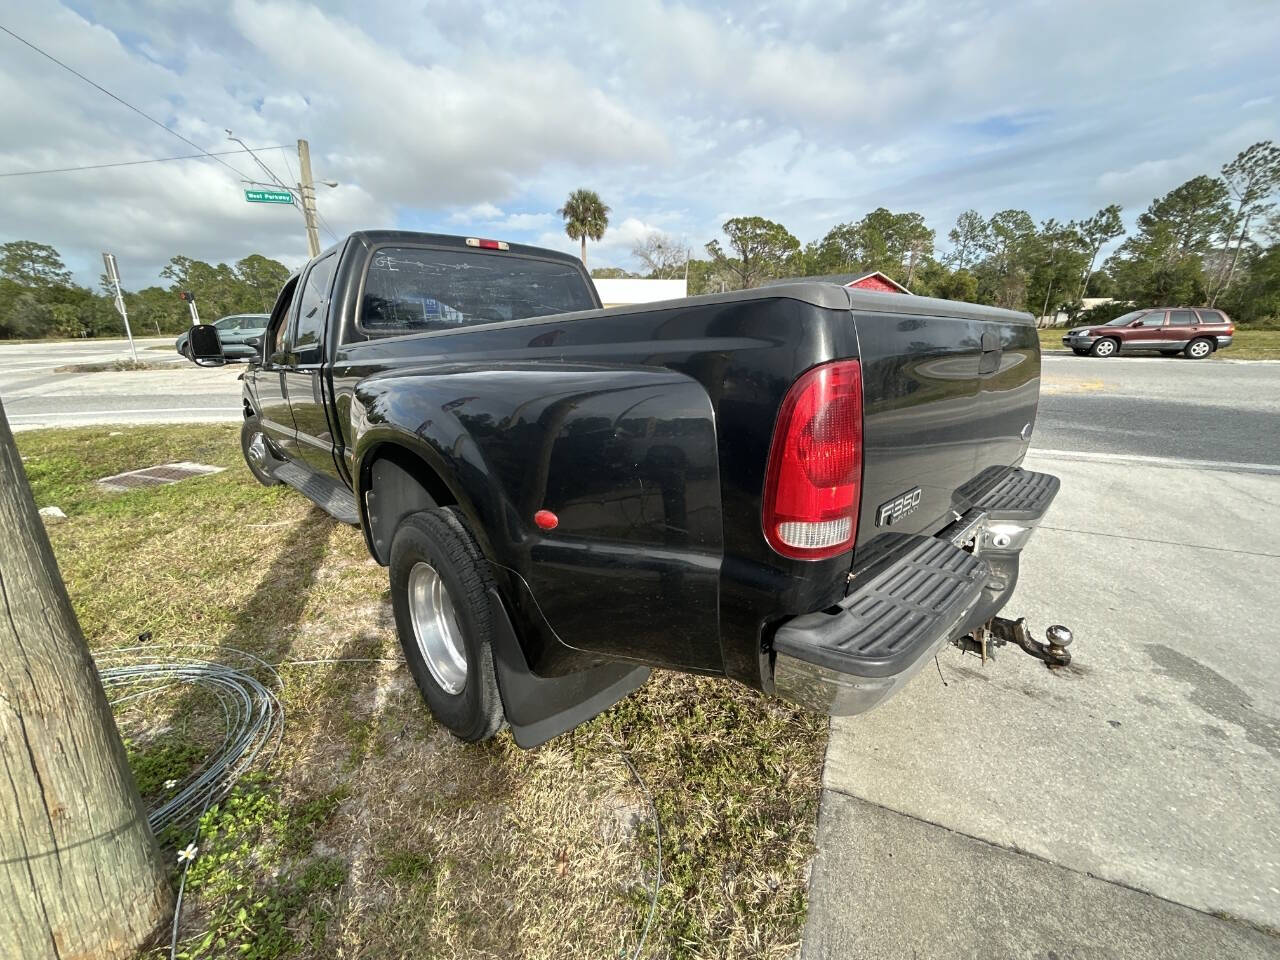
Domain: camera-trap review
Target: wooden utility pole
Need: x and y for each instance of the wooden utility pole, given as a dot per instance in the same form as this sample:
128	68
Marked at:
307	188
80	873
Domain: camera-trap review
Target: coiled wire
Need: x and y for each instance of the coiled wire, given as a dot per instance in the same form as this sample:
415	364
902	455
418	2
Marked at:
253	720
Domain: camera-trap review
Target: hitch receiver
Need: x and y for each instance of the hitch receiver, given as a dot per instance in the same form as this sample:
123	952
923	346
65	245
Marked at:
998	631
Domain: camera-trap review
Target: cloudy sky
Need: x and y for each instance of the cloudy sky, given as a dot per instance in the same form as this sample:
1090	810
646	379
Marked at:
464	116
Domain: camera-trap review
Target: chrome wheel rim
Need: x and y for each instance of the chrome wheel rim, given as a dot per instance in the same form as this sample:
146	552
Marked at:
435	628
258	451
1106	348
1199	349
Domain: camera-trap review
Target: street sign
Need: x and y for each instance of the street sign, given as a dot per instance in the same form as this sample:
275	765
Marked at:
113	277
268	196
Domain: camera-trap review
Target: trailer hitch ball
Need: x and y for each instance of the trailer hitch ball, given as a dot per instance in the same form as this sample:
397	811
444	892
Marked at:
999	631
1059	638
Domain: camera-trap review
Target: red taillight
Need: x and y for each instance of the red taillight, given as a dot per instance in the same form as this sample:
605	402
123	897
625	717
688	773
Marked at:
814	478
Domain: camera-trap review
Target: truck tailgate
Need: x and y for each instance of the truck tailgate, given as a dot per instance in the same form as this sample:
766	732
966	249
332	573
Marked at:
946	397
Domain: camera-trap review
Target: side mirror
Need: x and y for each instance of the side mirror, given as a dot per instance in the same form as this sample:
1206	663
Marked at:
205	346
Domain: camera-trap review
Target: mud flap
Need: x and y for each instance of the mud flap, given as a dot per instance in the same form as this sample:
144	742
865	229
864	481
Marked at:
539	708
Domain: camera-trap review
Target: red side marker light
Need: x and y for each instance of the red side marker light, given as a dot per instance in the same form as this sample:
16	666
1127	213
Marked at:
546	520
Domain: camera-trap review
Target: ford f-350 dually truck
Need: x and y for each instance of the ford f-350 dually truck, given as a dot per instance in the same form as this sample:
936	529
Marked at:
806	488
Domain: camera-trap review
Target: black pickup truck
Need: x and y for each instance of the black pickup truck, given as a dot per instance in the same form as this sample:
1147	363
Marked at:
806	488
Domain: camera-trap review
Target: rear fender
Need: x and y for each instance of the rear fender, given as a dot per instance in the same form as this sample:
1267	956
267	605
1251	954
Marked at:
626	459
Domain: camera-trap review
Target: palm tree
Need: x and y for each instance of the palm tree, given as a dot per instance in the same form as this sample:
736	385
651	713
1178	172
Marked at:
585	215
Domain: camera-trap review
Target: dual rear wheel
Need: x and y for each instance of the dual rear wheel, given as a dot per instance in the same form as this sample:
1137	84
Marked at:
440	586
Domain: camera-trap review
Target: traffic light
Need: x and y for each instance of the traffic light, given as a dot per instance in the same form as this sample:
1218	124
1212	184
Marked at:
187	296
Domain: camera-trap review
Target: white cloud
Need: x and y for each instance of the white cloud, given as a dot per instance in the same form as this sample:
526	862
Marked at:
485	212
450	116
528	221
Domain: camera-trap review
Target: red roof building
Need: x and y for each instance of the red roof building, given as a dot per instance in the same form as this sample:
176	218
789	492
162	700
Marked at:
875	280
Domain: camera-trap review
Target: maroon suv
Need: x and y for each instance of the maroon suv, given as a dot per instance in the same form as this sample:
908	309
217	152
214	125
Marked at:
1192	331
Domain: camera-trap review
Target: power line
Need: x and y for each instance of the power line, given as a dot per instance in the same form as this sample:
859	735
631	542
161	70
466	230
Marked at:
272	174
284	153
325	223
122	101
124	163
258	160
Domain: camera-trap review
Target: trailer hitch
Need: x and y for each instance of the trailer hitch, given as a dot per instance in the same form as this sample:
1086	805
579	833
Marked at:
998	631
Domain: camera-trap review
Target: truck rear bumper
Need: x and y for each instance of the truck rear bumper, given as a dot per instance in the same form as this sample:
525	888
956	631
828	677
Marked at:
911	594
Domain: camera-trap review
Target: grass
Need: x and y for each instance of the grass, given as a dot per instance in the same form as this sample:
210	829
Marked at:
375	833
1246	345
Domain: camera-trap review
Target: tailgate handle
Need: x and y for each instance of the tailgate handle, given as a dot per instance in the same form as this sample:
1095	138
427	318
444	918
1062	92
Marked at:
990	341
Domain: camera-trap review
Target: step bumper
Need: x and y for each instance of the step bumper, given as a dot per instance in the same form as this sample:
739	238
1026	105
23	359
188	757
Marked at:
911	594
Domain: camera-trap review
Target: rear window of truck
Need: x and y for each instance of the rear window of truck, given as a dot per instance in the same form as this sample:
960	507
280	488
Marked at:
411	289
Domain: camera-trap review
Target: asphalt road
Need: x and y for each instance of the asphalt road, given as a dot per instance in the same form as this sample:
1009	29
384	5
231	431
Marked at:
1124	807
1161	407
34	395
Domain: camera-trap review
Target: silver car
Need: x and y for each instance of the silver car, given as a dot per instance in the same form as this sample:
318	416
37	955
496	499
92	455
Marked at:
240	333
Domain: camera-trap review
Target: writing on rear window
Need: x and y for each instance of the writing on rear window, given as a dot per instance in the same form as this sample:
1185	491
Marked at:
411	289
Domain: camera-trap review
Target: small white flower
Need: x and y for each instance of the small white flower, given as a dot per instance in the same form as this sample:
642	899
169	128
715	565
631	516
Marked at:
170	784
187	853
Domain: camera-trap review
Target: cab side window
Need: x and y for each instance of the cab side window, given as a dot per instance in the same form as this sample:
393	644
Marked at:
1153	319
279	320
277	335
312	308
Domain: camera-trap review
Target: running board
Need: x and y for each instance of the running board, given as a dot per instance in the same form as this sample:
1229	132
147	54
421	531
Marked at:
330	496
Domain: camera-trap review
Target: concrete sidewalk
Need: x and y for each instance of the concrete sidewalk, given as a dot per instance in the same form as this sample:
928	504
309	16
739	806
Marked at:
1119	808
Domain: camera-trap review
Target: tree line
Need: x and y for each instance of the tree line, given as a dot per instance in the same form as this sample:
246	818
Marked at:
39	299
1213	240
1209	241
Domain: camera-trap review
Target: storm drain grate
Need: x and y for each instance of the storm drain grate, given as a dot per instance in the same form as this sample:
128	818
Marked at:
156	476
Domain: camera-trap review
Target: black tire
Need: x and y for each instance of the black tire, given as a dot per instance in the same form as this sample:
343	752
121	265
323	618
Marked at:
1079	352
1199	348
439	539
1106	347
253	427
186	352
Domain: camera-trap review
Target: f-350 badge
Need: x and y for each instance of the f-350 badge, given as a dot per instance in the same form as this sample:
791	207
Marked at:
890	512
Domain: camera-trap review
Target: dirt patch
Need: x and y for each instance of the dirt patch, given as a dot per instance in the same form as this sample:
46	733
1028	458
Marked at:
112	366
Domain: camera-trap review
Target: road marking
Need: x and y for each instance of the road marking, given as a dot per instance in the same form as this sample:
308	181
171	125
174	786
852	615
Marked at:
1052	387
1178	463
